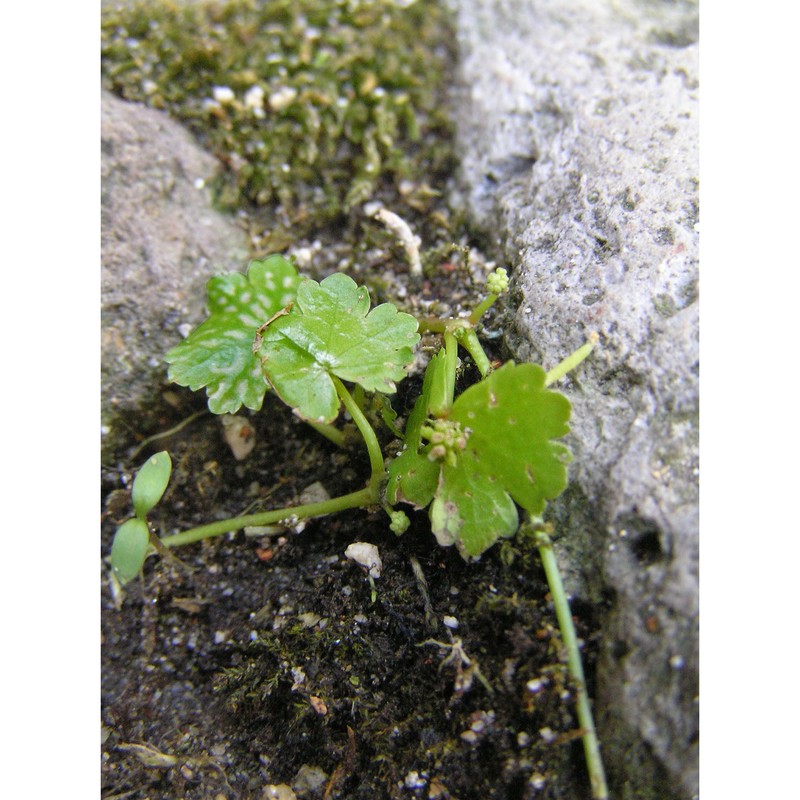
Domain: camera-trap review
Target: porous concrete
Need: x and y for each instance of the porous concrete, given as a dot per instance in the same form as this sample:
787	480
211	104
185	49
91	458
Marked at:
578	135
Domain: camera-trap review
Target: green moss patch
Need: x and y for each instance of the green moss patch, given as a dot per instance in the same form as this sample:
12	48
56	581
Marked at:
310	104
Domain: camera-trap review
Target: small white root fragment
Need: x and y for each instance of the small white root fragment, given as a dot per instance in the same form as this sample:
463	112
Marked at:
399	227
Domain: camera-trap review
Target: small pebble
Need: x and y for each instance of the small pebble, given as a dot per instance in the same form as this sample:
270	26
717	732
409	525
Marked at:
548	735
414	781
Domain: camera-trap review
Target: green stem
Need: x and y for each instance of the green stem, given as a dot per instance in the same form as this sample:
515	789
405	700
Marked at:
328	431
470	342
571	361
482	308
367	431
163	435
450	367
591	746
434	324
364	497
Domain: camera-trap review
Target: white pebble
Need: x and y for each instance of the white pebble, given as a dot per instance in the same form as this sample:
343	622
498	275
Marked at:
367	555
548	735
223	94
414	781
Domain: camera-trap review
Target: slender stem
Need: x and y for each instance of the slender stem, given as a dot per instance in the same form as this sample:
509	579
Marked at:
370	439
591	746
571	361
469	341
482	308
163	434
328	431
434	324
359	499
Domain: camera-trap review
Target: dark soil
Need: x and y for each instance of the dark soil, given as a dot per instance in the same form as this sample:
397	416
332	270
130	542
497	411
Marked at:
251	660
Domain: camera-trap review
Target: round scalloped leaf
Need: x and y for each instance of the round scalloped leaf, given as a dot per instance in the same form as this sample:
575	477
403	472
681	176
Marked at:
218	355
513	420
150	483
331	331
129	550
471	509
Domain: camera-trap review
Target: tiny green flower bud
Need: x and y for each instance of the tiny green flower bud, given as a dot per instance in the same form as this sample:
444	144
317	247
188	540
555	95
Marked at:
399	522
437	453
497	281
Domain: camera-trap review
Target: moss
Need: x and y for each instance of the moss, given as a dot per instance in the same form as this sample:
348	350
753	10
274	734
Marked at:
310	104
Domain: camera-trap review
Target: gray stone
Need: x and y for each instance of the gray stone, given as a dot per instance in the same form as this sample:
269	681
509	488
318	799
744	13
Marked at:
578	134
161	241
309	782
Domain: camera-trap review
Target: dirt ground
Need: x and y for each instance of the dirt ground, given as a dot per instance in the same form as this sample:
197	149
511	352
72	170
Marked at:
259	661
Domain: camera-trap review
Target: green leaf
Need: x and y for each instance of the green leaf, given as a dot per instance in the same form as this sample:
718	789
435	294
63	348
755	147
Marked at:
510	456
218	355
331	331
150	483
514	419
413	478
471	509
129	550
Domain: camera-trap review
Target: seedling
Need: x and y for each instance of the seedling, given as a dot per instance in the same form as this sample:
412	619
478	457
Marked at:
133	541
472	461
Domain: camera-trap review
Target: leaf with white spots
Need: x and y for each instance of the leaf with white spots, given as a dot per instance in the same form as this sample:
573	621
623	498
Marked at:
330	330
218	355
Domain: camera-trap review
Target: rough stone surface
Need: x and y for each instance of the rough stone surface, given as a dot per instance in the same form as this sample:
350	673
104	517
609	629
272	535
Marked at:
578	133
161	241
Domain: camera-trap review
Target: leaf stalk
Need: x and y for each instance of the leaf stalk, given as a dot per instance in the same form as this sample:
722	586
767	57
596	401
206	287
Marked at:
364	497
571	361
591	746
366	430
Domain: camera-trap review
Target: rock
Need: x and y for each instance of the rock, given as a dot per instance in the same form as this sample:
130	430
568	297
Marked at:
578	134
310	781
161	241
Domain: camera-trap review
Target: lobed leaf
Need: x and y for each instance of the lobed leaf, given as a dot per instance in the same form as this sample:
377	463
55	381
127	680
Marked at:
471	508
331	331
510	455
514	420
510	458
218	355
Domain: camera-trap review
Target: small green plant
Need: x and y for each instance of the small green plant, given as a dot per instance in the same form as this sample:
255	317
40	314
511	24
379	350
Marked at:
132	542
472	461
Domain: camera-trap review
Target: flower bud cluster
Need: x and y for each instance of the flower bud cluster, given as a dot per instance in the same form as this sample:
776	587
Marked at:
448	439
399	522
497	281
